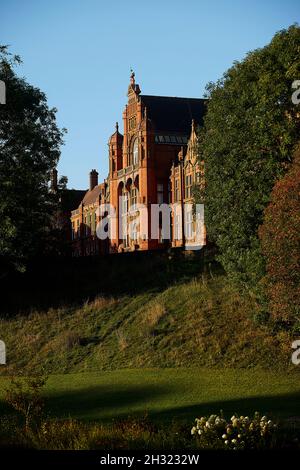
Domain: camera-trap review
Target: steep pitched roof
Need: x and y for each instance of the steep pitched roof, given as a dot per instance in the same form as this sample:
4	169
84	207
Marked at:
174	114
92	196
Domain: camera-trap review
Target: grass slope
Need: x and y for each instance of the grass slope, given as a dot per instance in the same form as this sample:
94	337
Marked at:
198	322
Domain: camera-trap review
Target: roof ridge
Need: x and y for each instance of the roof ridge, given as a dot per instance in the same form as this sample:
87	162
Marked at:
174	97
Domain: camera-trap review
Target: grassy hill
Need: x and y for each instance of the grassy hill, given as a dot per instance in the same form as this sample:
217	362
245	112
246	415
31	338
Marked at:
184	317
153	334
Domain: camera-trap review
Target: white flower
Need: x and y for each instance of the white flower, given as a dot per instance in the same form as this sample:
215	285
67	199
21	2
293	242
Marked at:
232	417
224	436
199	432
193	431
207	424
234	441
226	442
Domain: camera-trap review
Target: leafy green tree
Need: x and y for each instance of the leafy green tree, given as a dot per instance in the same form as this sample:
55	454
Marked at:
280	241
249	132
29	150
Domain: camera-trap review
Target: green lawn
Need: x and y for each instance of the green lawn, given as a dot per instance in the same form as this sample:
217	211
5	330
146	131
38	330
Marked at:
171	393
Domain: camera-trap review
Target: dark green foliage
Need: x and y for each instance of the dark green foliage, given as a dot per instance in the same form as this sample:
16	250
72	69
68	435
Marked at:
250	130
29	149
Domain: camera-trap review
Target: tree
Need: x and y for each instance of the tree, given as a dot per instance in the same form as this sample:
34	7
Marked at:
280	241
29	150
249	132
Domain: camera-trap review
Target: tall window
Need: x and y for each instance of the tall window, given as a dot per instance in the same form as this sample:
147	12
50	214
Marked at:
125	208
189	224
177	227
93	222
135	152
160	193
125	202
188	186
176	189
133	197
86	231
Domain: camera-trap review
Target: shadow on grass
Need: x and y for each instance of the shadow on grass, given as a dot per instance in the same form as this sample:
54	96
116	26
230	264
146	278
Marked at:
108	403
50	283
103	402
278	407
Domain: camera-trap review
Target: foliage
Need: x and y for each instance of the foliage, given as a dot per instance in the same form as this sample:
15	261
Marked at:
239	433
137	434
24	396
250	130
29	150
280	240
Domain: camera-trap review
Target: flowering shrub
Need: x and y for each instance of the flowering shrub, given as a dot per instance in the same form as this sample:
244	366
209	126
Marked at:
240	432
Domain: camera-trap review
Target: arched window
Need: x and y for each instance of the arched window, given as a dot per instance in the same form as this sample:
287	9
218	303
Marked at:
135	152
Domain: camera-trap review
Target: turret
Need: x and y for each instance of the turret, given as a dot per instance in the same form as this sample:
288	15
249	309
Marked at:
115	150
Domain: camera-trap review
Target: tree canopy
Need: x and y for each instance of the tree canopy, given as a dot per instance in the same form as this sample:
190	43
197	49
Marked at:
30	143
249	133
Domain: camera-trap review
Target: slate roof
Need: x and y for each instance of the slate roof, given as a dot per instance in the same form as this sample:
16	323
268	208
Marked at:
174	115
92	196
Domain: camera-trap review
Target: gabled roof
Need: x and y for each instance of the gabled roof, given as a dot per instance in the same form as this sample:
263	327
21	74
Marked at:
92	196
174	114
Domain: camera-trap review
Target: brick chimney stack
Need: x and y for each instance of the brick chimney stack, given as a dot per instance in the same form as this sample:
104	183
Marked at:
93	179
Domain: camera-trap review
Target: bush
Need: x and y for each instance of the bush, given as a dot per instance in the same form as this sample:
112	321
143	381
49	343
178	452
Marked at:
238	433
280	241
24	395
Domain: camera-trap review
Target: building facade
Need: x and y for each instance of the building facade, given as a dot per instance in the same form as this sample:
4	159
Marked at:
152	163
188	228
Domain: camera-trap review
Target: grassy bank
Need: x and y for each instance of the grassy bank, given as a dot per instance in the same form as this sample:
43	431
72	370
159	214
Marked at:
201	322
182	344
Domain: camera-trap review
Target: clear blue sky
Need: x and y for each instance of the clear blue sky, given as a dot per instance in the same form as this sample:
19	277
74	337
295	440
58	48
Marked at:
80	53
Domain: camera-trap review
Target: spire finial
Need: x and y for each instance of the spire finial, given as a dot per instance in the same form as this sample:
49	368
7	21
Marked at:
132	76
117	127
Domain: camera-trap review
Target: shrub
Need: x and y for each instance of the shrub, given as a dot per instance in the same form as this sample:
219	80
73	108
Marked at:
280	241
238	433
24	395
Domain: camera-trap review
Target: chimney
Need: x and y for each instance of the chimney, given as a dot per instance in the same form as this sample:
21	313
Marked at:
93	179
53	180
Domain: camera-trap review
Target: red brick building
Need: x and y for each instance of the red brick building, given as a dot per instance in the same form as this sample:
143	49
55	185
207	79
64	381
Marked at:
154	154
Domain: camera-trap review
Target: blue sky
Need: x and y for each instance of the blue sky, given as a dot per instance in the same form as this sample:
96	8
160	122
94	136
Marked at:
80	53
